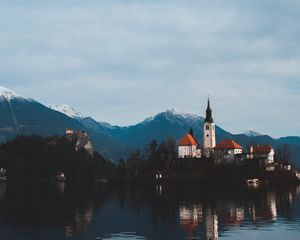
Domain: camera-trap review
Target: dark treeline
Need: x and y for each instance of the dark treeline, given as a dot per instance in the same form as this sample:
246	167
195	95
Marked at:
155	158
39	158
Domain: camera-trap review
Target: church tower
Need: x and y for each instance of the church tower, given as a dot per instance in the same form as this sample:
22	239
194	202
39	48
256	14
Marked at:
209	132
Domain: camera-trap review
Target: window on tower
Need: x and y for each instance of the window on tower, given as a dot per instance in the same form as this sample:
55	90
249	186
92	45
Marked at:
207	135
207	127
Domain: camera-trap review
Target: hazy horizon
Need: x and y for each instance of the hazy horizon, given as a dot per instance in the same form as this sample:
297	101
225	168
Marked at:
121	62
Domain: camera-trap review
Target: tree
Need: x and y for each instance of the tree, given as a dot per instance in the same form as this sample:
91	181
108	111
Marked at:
121	169
152	150
286	154
283	154
134	163
171	151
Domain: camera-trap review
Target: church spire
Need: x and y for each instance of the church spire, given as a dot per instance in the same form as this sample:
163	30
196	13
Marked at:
208	118
191	132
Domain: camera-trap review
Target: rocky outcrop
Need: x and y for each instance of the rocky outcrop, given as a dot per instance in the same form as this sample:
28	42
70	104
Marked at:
81	139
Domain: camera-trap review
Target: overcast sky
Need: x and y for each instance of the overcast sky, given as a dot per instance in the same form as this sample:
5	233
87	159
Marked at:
122	61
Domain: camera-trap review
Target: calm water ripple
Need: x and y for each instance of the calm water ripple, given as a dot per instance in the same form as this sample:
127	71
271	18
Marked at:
117	212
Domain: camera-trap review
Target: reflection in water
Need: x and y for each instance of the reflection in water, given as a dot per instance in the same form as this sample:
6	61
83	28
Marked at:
190	217
2	190
81	221
146	212
271	205
298	190
230	213
122	236
158	190
211	223
61	187
265	211
263	207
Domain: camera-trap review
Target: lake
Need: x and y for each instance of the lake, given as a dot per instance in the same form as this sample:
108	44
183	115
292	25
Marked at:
146	211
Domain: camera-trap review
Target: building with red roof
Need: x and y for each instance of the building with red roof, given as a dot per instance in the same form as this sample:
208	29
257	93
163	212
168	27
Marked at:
265	152
227	151
188	147
228	145
188	140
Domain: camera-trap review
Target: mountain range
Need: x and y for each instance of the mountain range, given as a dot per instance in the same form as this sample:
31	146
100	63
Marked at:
20	115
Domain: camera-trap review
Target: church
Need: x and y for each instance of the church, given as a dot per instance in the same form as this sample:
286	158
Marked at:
189	147
226	151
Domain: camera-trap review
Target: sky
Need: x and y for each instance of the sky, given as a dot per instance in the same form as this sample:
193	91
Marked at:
123	61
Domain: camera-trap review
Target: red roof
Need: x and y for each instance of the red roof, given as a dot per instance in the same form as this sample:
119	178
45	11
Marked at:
188	140
228	144
262	149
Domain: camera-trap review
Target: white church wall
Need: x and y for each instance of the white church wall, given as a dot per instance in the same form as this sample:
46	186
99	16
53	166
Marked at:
189	151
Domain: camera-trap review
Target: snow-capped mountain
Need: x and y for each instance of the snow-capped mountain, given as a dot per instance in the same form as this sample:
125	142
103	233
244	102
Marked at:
20	115
176	117
8	95
251	133
25	116
67	110
169	123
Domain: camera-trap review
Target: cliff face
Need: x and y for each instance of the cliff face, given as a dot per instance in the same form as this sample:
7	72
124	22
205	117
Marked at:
81	139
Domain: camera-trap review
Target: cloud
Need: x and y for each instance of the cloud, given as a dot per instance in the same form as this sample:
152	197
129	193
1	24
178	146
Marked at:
121	61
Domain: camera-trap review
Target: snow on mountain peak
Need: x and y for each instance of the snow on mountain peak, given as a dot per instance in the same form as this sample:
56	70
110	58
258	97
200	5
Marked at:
7	94
67	110
173	112
176	117
251	133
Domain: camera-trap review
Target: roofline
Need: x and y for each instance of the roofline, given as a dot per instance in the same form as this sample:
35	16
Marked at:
187	145
227	148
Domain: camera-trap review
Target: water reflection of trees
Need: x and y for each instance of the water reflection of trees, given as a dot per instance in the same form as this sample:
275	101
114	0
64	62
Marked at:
2	190
57	205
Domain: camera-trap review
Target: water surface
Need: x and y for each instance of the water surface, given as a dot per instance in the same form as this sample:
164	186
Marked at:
124	211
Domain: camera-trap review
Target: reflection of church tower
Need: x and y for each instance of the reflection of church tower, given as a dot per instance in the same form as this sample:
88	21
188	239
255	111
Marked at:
209	133
211	224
